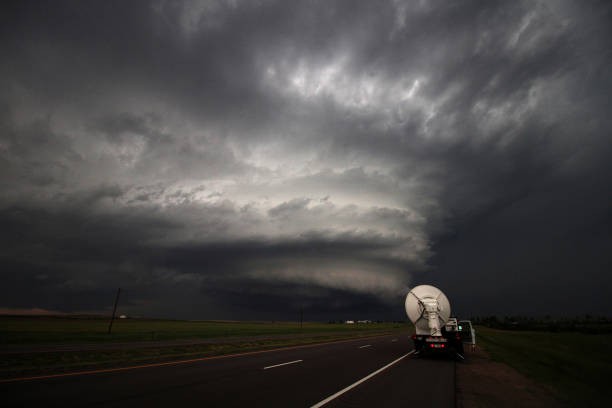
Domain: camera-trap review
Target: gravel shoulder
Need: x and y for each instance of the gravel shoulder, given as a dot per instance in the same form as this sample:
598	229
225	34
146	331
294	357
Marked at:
481	382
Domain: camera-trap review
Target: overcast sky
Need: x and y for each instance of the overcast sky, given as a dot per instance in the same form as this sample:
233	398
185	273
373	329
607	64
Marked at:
244	159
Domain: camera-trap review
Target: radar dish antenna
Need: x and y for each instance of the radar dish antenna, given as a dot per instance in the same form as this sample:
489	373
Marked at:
428	308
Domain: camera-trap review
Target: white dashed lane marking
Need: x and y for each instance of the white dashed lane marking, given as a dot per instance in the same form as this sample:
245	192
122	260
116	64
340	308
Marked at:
283	364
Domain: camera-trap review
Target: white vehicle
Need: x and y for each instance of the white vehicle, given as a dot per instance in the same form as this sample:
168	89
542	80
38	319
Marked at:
467	333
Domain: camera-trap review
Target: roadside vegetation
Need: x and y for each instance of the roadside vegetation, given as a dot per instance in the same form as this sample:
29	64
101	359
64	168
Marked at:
582	324
576	366
63	330
148	341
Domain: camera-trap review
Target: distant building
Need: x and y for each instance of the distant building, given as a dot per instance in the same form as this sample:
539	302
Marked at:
123	317
350	322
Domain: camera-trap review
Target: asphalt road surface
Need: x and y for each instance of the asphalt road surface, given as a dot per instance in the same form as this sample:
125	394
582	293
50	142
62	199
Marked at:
344	374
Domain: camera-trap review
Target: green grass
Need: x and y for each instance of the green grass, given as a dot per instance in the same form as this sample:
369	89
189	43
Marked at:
577	366
49	330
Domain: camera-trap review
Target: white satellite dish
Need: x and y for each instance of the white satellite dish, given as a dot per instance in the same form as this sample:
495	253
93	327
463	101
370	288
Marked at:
428	308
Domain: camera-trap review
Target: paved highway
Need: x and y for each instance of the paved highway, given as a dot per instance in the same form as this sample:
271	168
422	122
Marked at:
331	375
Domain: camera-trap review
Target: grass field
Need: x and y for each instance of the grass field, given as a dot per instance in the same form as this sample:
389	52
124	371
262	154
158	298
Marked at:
577	366
148	337
49	330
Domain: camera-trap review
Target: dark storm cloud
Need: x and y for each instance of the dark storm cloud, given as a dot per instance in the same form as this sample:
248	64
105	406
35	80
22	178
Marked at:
74	254
230	158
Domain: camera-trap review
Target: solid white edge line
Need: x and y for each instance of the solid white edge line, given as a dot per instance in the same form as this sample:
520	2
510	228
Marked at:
278	365
367	345
350	387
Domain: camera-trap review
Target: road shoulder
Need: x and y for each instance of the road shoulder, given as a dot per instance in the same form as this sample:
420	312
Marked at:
482	382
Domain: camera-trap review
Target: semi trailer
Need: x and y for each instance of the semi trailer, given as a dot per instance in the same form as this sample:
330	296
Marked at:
435	331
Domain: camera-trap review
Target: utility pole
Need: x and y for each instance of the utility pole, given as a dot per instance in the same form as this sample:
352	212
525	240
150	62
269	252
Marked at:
110	326
301	315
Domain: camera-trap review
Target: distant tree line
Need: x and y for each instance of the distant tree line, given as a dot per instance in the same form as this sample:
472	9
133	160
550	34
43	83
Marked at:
584	324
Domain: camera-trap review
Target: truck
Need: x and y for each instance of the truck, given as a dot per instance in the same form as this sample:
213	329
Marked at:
435	330
467	333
